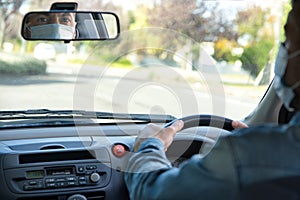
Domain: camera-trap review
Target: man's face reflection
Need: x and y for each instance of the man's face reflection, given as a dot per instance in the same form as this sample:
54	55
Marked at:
52	18
51	26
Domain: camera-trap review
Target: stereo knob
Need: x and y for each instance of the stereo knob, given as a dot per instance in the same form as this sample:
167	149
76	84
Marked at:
95	177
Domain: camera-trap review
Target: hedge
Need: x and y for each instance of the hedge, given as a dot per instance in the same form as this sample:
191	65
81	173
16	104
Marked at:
21	65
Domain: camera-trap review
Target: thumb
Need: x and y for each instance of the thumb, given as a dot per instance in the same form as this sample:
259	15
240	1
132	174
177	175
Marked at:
175	127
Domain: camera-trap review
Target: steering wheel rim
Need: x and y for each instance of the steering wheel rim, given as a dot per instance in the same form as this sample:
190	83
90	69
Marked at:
204	120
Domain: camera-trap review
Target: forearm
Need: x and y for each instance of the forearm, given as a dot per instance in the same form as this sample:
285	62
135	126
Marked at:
150	175
144	167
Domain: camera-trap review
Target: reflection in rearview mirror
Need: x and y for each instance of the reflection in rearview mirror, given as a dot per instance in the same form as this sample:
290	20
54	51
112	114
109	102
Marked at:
66	25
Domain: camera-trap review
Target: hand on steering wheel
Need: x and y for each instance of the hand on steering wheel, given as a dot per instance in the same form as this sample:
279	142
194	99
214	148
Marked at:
167	133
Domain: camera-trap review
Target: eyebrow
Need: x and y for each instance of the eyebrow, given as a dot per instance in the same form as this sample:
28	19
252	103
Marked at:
66	14
44	14
50	14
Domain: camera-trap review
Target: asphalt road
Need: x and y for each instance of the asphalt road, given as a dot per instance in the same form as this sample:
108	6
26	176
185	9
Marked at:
138	90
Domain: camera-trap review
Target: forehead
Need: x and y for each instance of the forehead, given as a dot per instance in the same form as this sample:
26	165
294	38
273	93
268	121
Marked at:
52	15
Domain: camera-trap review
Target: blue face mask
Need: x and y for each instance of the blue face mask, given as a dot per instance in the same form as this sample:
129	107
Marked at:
285	93
52	31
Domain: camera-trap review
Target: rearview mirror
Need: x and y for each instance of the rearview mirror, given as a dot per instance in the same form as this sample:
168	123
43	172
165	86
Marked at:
70	25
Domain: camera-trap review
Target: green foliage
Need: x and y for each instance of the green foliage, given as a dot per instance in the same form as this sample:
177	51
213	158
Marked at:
139	19
131	17
256	56
21	65
258	24
122	63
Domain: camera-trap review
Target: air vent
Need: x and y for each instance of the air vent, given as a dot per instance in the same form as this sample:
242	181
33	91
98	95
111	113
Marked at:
52	146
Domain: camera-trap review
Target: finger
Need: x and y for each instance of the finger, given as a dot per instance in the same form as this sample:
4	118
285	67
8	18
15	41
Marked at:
238	124
175	127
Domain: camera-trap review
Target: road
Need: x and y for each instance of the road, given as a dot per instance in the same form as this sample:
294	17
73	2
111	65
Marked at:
156	91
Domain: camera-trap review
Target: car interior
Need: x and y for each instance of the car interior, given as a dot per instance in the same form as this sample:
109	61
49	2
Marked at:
79	155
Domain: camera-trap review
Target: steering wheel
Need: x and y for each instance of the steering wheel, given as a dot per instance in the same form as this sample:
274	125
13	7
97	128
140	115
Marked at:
204	120
192	148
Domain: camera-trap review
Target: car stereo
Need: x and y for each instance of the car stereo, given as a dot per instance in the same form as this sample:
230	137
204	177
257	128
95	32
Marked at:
56	171
88	174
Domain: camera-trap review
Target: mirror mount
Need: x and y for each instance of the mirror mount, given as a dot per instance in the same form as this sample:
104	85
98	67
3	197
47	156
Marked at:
72	6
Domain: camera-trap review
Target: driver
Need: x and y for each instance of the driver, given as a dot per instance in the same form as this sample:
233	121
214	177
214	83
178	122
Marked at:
51	26
237	161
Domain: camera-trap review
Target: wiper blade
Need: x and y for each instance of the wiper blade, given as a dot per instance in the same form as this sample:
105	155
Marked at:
32	123
33	114
142	117
81	114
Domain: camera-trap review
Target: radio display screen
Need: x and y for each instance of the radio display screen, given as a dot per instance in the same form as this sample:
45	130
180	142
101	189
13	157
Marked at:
60	171
35	174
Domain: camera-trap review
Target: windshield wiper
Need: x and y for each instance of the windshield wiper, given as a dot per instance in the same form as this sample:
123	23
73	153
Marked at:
81	114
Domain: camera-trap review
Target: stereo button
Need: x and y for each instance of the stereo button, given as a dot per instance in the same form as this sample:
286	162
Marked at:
32	182
82	183
71	178
91	167
60	180
80	169
50	185
50	180
82	178
62	184
71	184
33	185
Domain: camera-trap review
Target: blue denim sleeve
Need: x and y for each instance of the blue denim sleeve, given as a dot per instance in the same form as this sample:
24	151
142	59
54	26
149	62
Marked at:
150	175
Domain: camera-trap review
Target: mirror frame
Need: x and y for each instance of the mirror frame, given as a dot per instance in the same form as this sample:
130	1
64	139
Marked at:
75	39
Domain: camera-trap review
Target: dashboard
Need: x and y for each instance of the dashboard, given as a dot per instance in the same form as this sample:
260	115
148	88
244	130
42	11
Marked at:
79	162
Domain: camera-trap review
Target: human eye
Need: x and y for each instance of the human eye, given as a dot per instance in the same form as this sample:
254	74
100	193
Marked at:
42	20
66	20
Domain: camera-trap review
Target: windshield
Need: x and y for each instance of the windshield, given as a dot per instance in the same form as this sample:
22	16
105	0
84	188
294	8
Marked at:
175	57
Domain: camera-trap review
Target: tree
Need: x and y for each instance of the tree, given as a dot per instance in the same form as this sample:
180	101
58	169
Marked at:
251	21
8	8
255	28
223	50
199	20
196	19
256	55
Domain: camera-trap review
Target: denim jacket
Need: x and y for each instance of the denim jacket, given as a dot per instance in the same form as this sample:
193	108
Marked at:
247	156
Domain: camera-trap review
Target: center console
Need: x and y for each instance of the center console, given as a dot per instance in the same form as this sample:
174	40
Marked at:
66	171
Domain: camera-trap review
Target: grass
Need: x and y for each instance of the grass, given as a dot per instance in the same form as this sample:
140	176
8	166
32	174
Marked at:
121	63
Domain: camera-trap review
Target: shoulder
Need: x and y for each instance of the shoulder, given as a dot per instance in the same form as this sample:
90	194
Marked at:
258	137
